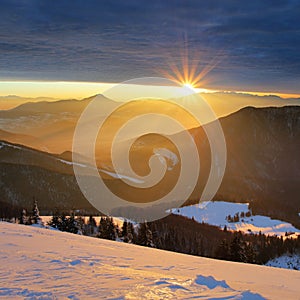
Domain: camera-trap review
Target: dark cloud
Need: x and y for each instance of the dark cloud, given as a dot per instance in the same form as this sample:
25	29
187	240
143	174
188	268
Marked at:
256	43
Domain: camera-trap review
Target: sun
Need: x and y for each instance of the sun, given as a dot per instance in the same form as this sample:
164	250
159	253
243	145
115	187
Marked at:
188	85
187	72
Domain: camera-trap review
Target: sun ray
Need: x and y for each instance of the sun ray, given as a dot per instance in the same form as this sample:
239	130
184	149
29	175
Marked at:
189	72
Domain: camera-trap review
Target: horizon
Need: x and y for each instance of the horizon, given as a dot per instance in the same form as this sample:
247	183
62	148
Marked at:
15	93
172	125
231	47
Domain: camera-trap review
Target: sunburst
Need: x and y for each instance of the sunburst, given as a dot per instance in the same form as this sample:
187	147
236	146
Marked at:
191	73
189	85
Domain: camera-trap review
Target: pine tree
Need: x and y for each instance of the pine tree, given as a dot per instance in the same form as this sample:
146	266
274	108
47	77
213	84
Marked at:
107	229
141	235
36	219
112	234
222	251
55	221
131	233
144	237
102	228
124	233
250	256
91	225
236	249
149	237
71	224
23	217
80	224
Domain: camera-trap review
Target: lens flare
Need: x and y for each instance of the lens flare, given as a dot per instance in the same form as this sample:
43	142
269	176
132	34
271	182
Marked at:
189	70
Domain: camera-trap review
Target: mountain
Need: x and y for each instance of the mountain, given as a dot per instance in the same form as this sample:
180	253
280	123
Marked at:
27	173
226	103
23	139
51	123
63	265
11	101
263	163
262	167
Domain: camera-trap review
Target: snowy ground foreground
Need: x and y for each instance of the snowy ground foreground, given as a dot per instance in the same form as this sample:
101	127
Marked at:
38	263
215	213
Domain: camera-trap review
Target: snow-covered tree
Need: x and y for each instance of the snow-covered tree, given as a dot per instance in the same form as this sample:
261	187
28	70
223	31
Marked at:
36	219
23	217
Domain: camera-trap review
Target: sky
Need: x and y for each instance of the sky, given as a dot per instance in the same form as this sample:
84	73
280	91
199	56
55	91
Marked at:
251	45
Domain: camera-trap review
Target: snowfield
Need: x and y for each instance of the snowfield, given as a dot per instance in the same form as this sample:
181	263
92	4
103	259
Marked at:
287	261
38	263
215	213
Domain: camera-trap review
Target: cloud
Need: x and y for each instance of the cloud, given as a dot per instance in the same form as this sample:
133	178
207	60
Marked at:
257	41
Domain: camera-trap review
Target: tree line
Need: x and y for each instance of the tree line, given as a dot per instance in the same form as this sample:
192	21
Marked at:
175	233
180	234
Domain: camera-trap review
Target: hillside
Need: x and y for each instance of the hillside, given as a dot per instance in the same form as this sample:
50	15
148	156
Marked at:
263	161
262	164
42	263
51	124
216	213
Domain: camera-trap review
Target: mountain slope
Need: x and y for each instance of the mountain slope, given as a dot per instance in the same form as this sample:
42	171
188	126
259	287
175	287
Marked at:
23	139
51	123
217	212
46	263
27	173
262	163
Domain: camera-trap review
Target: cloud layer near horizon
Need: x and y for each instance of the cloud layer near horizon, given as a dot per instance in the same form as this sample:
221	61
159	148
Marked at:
256	43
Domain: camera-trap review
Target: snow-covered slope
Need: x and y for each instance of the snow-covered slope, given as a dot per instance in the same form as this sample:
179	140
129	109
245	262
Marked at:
215	213
39	263
287	261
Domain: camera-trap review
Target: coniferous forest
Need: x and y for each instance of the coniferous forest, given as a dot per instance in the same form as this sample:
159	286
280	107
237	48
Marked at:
173	233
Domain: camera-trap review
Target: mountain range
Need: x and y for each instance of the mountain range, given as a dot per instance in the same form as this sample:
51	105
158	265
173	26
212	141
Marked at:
49	125
262	159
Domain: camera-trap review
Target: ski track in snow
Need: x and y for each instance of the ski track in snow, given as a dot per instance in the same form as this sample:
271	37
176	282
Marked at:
38	263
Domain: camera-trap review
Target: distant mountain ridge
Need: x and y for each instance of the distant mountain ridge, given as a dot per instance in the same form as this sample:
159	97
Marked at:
51	124
263	166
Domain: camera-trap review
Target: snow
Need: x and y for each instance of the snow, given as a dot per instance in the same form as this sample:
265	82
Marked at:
38	263
112	174
287	261
71	163
161	152
215	213
120	176
167	154
2	144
